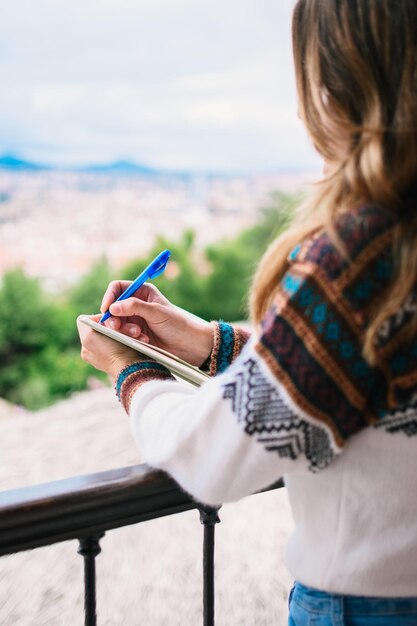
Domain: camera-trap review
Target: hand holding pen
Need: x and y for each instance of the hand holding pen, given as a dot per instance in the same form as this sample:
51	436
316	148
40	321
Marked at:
154	269
151	317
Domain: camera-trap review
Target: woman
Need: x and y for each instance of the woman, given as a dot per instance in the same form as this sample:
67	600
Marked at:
325	391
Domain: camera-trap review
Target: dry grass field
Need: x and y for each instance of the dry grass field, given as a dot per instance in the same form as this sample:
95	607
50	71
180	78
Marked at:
149	573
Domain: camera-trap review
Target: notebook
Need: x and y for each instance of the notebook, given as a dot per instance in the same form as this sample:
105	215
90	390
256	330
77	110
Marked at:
179	368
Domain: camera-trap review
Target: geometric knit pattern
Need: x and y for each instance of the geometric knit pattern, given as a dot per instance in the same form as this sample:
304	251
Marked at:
260	408
403	419
312	337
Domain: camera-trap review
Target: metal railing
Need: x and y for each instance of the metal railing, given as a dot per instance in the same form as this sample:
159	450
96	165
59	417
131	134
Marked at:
85	507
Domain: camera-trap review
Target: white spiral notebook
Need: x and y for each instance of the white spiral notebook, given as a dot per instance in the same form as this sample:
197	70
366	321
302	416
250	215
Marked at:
177	366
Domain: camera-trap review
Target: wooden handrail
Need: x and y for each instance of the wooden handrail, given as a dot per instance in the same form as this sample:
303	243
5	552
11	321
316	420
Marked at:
88	505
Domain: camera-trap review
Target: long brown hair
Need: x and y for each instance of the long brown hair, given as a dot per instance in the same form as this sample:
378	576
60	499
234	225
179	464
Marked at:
356	73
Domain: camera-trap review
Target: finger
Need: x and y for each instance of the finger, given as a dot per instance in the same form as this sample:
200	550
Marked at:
147	292
88	336
150	293
82	328
133	330
87	340
113	291
134	306
114	322
85	354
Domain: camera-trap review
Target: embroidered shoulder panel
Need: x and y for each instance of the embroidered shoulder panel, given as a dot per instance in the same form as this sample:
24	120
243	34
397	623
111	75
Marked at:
322	390
264	414
312	338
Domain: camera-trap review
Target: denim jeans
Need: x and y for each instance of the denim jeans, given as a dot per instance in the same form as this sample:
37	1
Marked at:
310	607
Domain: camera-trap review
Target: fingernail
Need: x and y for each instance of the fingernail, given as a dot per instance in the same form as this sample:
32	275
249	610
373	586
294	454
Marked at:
133	331
115	308
112	324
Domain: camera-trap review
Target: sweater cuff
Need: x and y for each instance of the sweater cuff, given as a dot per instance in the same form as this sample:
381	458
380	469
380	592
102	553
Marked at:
228	342
135	375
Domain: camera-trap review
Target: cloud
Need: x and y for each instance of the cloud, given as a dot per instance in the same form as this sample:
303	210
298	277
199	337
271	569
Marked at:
57	98
203	84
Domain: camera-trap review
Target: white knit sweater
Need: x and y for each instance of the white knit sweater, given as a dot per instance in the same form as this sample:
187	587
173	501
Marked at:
355	521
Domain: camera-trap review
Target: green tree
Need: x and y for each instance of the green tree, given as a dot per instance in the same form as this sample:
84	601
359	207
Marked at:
233	262
25	314
25	330
39	348
214	283
183	282
87	294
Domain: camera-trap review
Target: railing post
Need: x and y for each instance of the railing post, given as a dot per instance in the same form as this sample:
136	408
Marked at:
209	518
89	549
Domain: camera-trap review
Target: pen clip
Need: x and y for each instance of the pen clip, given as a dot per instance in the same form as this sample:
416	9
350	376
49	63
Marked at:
162	261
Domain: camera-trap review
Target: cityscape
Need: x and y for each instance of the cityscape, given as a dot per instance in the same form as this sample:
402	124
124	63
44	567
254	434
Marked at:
55	224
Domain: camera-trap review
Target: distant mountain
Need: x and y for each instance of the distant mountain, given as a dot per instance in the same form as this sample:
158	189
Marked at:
118	168
127	168
10	162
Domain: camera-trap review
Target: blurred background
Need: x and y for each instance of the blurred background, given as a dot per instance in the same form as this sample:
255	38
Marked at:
127	127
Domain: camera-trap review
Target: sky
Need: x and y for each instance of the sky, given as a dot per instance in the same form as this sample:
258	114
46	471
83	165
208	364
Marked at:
176	84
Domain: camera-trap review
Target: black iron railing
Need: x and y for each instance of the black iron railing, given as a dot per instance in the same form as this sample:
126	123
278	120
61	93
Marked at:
85	507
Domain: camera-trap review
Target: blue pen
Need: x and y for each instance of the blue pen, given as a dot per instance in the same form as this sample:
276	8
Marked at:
152	271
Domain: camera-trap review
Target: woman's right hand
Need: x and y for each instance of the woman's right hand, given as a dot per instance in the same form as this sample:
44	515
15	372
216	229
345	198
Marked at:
150	317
